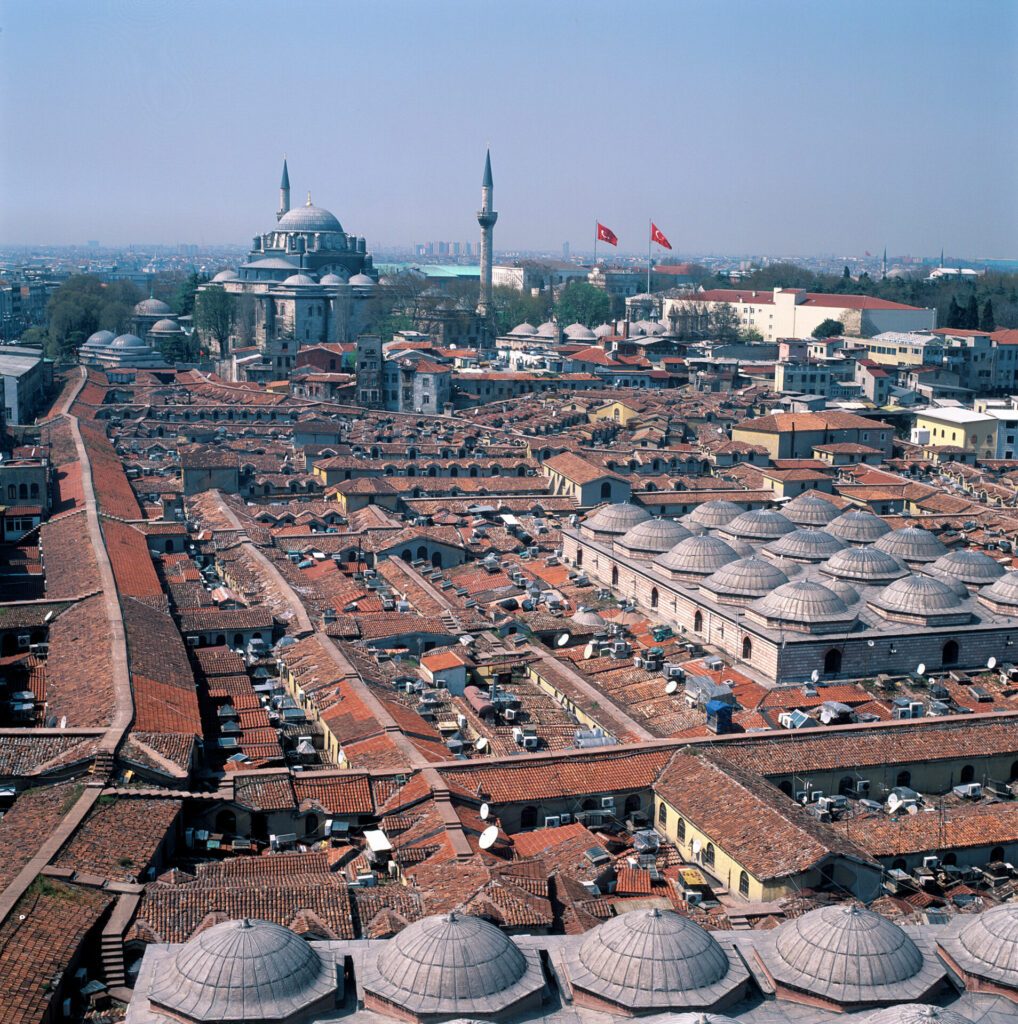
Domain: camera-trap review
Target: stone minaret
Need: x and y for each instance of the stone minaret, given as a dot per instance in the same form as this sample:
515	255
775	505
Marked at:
284	193
486	217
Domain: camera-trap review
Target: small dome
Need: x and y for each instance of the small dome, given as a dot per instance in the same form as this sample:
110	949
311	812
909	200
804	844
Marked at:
858	527
127	341
865	565
331	279
579	332
654	536
362	281
152	307
748	577
524	328
98	339
975	568
548	330
987	945
308	218
604	330
648	958
759	524
915	1013
844	590
697	556
225	275
588	617
1003	590
165	326
712	514
295	279
809	510
803	602
452	964
846	953
616	518
242	971
806	545
957	585
918	595
911	544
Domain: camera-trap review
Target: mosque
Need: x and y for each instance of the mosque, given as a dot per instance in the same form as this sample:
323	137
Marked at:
152	323
306	281
840	959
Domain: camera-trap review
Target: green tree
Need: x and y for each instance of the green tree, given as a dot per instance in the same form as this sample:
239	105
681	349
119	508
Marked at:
986	321
581	303
972	313
214	315
829	329
845	273
183	299
954	315
510	308
82	305
723	323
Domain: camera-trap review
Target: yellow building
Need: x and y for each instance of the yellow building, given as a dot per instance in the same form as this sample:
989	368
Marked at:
961	428
617	412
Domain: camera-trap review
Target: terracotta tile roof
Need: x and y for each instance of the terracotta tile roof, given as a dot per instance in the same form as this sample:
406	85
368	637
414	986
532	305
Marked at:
337	794
79	669
27	825
24	755
131	562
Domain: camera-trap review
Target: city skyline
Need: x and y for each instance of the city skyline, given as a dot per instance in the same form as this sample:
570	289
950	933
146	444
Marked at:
615	127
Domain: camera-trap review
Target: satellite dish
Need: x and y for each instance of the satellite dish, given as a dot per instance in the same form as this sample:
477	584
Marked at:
488	837
485	811
870	643
480	744
696	847
815	676
671	686
921	668
991	662
562	639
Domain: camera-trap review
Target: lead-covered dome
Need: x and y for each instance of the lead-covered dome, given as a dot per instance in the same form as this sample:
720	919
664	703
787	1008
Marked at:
697	556
806	545
858	527
165	326
810	510
580	332
100	338
747	578
1003	590
802	603
362	281
986	945
652	959
453	964
225	275
127	341
974	568
653	536
915	1013
849	955
152	307
308	218
524	328
911	544
585	616
549	329
864	565
759	524
241	971
922	595
332	280
617	518
299	279
712	514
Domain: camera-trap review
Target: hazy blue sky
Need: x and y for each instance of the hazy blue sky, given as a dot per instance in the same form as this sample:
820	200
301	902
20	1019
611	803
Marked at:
760	126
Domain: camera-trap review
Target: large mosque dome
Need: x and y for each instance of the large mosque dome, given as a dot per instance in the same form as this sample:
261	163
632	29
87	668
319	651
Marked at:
308	218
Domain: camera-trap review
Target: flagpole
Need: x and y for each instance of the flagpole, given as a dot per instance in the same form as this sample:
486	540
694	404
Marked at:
650	258
595	243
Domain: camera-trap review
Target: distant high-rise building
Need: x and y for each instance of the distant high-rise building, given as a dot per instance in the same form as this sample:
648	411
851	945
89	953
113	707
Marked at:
455	248
565	250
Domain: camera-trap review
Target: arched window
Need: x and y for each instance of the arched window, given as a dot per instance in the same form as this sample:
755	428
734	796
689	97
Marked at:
662	814
681	830
579	557
747	648
606	491
311	824
899	864
34	489
968	774
528	817
949	656
950	858
904	779
698	622
436	559
653	597
632	805
786	788
615	575
12	492
226	821
23	491
589	804
832	662
846	785
422	552
743	884
708	855
220	639
168	547
996	854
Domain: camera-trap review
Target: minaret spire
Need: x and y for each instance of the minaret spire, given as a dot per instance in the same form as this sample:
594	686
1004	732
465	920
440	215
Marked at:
883	265
486	218
284	192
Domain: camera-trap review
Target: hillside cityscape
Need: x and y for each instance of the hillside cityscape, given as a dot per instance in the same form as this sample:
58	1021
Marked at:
467	630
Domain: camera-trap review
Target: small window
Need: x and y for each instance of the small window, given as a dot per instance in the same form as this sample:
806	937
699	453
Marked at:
743	884
662	814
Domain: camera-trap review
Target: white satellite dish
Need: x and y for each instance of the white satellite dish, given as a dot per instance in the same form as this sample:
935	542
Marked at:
671	686
991	662
921	668
871	643
562	639
485	811
488	837
815	676
695	847
480	743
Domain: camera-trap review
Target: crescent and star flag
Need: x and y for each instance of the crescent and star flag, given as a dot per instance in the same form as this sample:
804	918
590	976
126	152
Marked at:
606	235
657	235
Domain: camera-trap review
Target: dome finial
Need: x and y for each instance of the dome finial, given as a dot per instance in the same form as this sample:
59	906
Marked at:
308	203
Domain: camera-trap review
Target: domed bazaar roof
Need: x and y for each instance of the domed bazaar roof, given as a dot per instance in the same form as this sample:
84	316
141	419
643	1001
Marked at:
810	510
911	544
866	565
759	524
654	536
975	568
548	329
244	971
616	518
165	326
453	964
1003	590
748	577
524	328
712	514
588	617
915	1013
127	341
847	954
580	332
802	601
806	545
99	338
918	595
858	527
698	556
987	945
653	959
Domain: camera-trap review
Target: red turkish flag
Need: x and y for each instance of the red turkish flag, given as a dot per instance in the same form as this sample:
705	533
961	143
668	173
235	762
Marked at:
606	235
656	235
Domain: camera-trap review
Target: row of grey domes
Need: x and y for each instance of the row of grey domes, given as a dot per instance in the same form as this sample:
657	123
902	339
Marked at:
802	602
653	536
617	518
810	510
806	545
106	339
759	524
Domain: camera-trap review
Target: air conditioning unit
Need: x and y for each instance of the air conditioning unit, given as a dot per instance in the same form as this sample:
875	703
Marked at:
24	641
193	641
553	822
969	791
511	714
931	862
862	787
566	818
607	803
692	897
